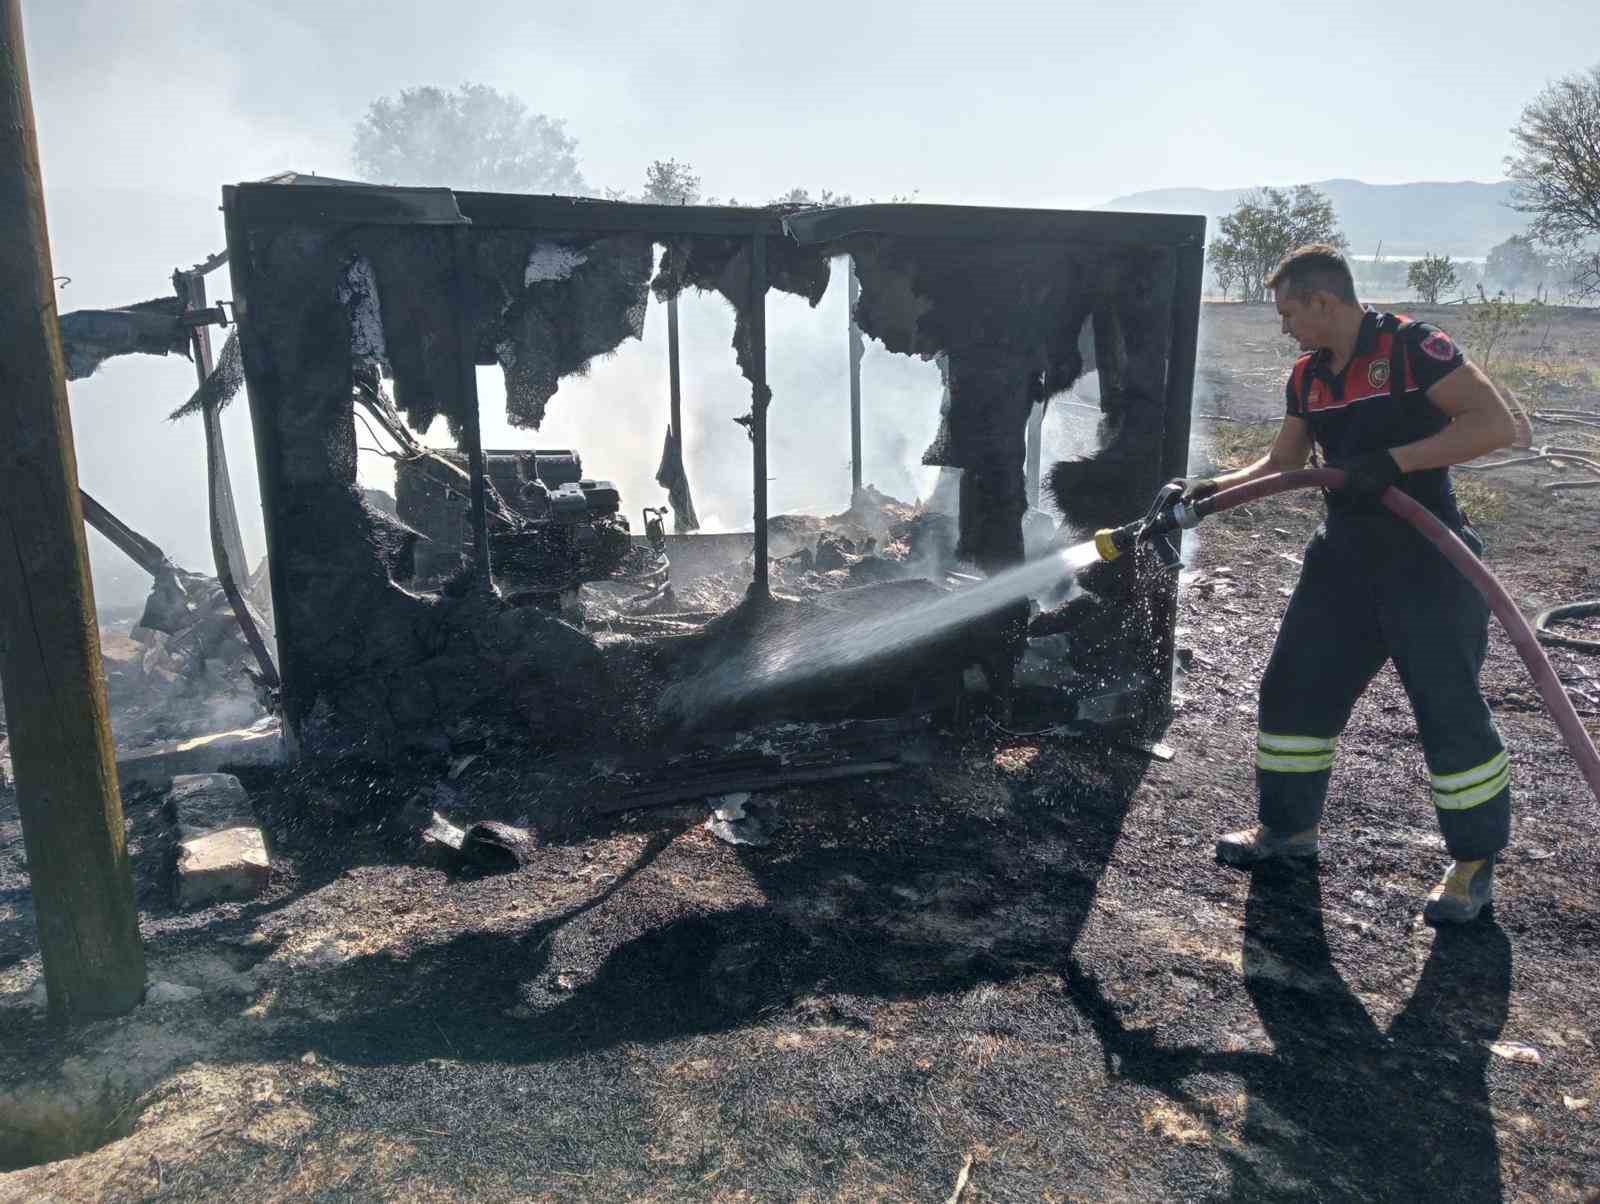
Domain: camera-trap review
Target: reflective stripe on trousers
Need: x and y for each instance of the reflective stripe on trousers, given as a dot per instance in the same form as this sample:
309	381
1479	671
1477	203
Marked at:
1294	754
1471	787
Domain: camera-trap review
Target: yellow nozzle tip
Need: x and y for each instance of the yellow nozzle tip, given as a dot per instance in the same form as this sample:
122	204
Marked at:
1105	544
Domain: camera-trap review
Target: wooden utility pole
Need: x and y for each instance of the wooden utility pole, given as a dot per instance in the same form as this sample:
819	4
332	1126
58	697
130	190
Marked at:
49	637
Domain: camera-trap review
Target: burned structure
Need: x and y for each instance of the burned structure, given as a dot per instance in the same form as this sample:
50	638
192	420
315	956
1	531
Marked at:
200	654
391	633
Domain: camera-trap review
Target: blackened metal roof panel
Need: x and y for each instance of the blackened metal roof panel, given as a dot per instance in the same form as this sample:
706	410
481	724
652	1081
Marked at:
293	197
1011	225
571	213
360	204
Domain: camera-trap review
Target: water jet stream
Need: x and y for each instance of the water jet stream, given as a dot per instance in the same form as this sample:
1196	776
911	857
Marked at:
829	644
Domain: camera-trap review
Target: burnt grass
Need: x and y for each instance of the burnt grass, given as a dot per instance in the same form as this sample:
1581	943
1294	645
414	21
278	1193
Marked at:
1023	954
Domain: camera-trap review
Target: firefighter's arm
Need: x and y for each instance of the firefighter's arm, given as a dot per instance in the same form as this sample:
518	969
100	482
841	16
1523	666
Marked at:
1290	449
1480	422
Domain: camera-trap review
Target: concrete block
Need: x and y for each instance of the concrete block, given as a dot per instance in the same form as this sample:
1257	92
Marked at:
208	802
155	766
222	866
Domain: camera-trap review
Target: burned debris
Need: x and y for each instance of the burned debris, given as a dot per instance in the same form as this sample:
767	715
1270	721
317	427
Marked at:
555	529
89	337
199	657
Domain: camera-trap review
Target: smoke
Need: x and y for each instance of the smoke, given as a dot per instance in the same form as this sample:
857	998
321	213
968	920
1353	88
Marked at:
615	414
1071	429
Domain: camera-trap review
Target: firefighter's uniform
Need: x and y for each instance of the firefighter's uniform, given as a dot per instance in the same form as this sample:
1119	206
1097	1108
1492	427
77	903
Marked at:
1373	589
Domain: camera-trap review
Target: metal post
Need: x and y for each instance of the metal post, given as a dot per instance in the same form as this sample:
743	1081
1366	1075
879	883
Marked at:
1035	452
760	396
227	545
672	370
467	408
676	416
49	637
856	352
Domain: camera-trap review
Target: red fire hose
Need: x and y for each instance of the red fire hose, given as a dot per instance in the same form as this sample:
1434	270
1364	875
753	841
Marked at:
1446	540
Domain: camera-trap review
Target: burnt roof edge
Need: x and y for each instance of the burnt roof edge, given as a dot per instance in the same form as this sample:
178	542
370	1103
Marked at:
979	222
300	200
359	205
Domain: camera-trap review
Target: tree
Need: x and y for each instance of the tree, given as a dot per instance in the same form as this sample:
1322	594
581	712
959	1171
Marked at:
1492	322
1556	170
1265	226
1517	264
1430	276
668	182
826	199
1224	267
474	137
1575	273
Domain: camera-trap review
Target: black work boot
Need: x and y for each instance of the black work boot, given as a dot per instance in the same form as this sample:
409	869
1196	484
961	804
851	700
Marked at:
1252	846
1466	889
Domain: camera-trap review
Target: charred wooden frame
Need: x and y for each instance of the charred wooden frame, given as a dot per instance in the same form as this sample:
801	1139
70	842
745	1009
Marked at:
357	651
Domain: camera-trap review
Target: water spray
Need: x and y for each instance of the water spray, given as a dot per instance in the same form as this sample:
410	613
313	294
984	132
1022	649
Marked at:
1170	513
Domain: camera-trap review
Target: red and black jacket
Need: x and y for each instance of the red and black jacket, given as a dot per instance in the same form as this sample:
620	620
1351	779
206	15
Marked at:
1380	399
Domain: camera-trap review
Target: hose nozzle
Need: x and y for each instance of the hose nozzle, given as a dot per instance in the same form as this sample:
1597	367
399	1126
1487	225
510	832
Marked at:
1111	543
1167	514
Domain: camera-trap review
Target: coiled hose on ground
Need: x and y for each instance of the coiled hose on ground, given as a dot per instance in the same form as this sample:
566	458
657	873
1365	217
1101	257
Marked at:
1522	636
1568	610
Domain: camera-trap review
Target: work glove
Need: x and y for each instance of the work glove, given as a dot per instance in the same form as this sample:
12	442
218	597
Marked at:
1194	488
1366	476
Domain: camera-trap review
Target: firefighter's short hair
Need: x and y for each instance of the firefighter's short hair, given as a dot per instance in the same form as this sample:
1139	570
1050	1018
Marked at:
1317	267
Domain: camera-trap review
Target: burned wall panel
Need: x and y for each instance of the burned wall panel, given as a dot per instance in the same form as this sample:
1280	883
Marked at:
1006	320
370	669
579	298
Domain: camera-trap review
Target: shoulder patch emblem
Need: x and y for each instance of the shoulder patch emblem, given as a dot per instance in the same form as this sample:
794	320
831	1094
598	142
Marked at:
1378	373
1438	346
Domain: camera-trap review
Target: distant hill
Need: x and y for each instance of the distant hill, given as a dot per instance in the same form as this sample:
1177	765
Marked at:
1461	219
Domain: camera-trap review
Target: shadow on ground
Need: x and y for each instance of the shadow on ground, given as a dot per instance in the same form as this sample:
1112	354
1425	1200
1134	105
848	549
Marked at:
948	902
1342	1108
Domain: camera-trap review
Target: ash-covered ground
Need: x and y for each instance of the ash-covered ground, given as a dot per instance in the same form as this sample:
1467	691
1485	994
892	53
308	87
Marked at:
1019	958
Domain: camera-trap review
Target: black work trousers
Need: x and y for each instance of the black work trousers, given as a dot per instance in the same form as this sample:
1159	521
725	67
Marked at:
1373	589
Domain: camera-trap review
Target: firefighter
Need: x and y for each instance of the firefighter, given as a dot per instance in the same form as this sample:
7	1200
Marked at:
1391	402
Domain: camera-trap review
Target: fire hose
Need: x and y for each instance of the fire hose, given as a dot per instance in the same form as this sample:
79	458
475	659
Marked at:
1568	610
1169	514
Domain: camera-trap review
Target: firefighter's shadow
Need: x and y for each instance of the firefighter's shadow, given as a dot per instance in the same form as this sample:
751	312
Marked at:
1343	1108
968	900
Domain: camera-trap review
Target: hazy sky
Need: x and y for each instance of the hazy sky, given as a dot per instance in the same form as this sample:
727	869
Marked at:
146	108
1044	103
